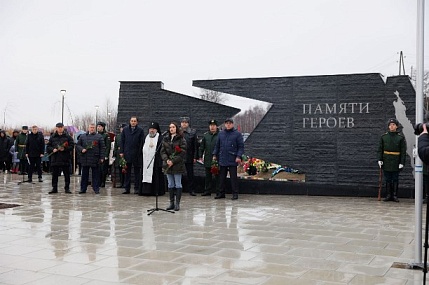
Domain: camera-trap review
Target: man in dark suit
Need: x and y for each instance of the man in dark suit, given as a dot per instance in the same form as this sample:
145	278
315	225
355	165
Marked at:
132	139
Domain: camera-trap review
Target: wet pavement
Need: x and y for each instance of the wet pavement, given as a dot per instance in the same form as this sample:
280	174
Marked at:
257	239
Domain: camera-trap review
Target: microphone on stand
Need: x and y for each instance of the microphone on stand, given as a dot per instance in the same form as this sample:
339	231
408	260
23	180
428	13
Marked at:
164	133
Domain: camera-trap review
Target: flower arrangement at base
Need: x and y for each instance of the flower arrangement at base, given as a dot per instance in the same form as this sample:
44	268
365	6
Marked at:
250	166
123	165
60	146
285	169
214	169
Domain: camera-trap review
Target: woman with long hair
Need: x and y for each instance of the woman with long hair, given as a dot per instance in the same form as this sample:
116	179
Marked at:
173	154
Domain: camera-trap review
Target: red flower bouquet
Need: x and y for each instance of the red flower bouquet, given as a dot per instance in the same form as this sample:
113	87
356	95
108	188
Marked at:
214	169
91	145
60	146
177	150
123	165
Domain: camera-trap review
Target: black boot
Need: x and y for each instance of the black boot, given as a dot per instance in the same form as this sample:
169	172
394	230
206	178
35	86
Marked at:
171	192
178	197
395	192
54	190
389	191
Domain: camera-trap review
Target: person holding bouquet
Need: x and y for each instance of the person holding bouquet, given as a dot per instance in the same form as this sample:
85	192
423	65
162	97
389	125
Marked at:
228	151
131	151
59	151
173	154
91	148
211	166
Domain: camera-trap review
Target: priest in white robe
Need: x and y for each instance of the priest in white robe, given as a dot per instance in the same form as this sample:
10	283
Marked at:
153	178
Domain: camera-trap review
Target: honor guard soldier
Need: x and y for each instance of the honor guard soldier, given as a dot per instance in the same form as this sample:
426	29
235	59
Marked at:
391	158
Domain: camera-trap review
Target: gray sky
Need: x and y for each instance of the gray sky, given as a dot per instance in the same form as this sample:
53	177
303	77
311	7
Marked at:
87	47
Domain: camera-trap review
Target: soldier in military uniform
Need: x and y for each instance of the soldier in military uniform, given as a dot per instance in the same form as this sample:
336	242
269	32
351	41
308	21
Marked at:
391	158
206	149
104	167
20	143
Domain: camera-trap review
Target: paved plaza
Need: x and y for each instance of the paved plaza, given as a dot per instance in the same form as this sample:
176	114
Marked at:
257	239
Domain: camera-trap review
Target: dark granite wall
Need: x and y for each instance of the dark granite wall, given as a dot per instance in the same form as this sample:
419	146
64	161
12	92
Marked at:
150	102
335	140
327	126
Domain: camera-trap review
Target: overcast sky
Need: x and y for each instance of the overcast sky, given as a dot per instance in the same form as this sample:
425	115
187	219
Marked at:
87	47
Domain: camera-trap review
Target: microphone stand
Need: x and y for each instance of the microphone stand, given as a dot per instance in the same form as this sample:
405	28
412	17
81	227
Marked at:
150	211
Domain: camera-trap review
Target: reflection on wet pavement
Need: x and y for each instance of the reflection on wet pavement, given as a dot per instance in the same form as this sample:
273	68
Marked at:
257	239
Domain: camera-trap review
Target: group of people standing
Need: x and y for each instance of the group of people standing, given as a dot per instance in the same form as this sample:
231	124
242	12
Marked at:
23	152
148	159
174	153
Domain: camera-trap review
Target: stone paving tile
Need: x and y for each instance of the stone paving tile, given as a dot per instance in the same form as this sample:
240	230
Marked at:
258	239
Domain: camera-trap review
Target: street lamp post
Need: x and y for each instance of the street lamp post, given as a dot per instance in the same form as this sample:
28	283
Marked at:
108	120
96	113
63	93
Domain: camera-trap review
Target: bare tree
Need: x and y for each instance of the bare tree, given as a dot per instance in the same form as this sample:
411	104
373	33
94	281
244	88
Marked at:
109	115
83	121
212	96
248	120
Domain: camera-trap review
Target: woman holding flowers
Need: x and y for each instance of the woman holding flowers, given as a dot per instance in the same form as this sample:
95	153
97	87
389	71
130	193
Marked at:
173	154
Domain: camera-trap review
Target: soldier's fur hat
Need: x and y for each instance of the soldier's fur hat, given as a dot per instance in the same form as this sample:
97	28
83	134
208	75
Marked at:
393	120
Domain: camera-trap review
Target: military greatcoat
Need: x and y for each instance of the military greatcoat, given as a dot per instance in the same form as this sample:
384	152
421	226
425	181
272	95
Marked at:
392	150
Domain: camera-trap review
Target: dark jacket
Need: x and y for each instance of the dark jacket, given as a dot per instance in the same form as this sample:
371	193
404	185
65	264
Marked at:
95	149
392	151
5	145
132	144
107	144
190	136
207	146
423	149
229	146
60	158
35	145
168	153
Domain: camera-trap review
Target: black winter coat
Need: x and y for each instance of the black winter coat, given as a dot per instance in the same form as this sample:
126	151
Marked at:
35	145
190	136
95	149
132	144
5	145
168	153
61	157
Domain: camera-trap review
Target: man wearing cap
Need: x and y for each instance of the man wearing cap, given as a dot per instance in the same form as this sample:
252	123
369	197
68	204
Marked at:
153	179
190	136
20	143
132	139
116	152
34	150
59	150
104	167
228	151
205	152
391	158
